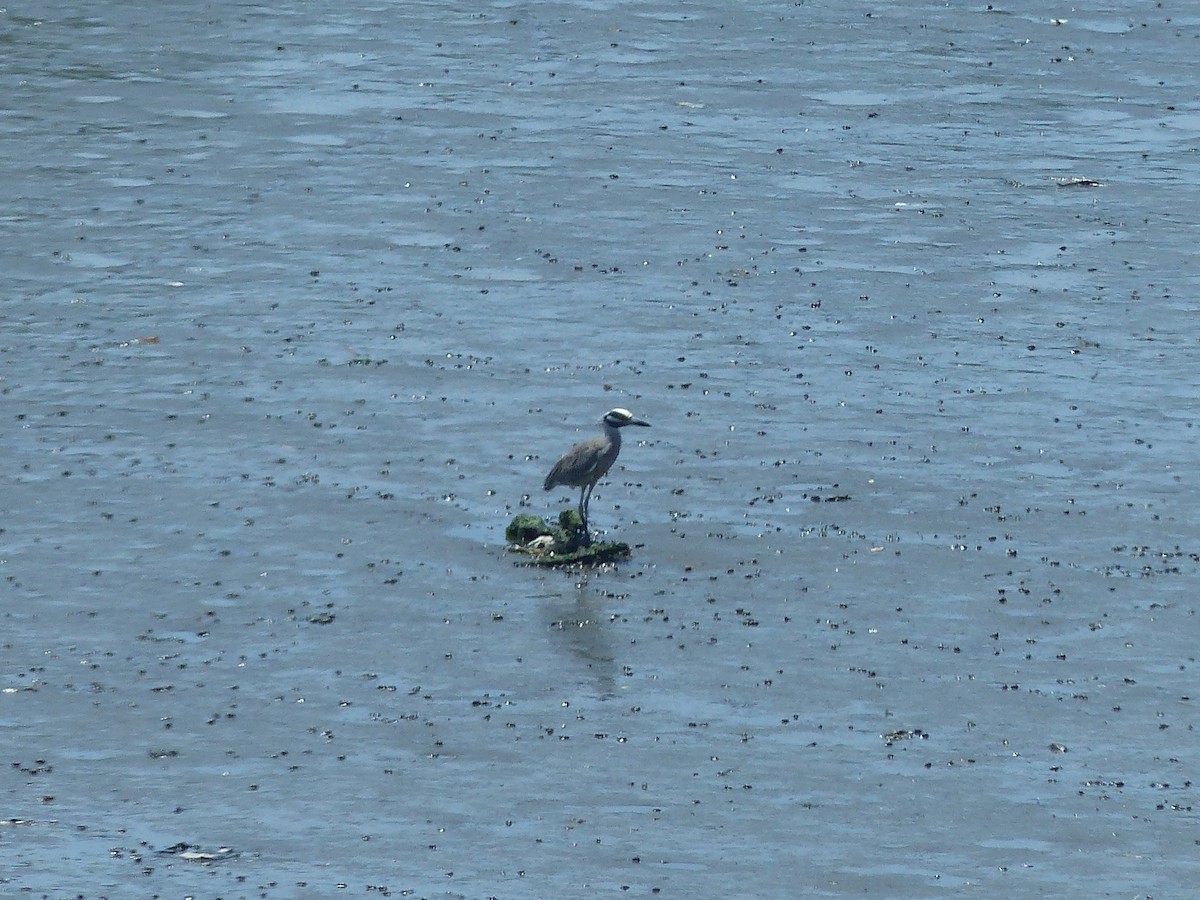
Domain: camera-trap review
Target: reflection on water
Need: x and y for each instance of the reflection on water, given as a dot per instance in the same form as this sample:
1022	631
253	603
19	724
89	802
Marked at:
578	628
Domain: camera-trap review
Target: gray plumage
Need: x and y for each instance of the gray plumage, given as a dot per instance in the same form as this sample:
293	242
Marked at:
588	461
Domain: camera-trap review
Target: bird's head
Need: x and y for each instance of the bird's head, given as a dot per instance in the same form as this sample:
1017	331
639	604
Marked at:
619	418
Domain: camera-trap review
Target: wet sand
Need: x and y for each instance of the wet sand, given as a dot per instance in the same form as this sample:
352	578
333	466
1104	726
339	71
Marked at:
301	309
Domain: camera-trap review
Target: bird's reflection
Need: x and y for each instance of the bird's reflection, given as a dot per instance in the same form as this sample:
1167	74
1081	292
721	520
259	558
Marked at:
577	618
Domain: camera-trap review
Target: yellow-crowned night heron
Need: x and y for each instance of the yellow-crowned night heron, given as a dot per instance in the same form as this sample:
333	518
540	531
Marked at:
588	461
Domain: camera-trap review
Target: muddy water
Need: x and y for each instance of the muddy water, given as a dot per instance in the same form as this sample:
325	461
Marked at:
301	306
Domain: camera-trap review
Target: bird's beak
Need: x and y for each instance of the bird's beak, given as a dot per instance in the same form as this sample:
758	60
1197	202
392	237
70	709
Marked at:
639	422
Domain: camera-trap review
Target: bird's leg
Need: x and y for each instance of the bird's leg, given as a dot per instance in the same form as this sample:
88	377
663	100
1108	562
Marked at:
583	498
585	501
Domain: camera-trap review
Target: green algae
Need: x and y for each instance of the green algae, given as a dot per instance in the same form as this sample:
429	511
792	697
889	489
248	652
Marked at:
562	544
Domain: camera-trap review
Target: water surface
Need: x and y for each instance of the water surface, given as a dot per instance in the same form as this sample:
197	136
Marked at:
302	305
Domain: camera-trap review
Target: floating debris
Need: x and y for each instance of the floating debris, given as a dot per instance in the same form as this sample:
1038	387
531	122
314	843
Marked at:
192	853
832	498
904	734
540	545
1076	181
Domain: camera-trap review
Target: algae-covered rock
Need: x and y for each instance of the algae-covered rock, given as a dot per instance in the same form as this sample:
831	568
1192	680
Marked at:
569	521
525	528
564	544
595	554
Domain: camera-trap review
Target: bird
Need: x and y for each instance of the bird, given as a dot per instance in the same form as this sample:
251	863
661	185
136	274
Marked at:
588	461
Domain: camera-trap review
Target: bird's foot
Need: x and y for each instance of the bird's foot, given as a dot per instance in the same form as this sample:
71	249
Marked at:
584	534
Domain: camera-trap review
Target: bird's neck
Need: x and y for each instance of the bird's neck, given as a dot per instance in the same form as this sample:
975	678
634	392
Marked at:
614	434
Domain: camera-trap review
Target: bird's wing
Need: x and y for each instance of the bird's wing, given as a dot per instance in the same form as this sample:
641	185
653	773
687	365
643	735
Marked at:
577	466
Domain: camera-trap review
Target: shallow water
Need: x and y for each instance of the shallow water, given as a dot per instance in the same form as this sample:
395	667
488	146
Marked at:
300	310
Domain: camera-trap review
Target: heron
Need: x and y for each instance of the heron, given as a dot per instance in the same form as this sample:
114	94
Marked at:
588	461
